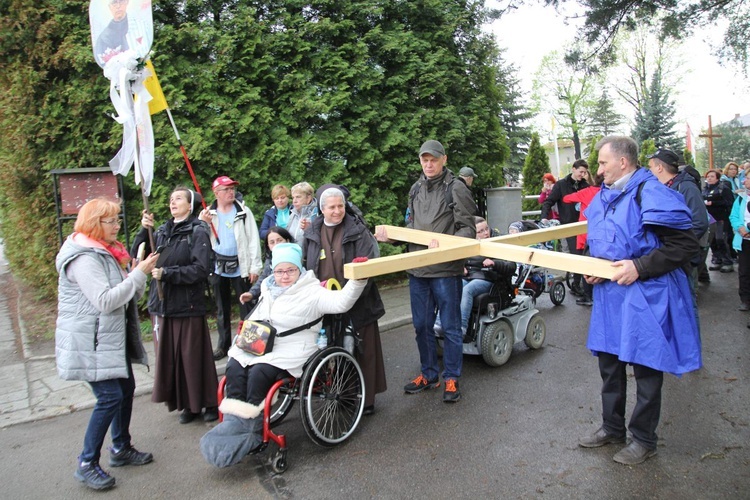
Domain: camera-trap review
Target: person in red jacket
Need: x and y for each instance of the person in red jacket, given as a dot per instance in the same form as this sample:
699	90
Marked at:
584	197
548	181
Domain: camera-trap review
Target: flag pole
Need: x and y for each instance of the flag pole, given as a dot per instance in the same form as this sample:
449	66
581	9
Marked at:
144	197
159	103
190	167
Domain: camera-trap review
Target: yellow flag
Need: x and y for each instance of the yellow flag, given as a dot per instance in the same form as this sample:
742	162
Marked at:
158	102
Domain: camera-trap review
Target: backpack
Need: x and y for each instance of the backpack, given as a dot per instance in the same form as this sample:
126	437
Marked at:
448	197
212	278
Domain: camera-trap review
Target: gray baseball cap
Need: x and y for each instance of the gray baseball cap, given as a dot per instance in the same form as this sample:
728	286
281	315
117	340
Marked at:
467	172
433	148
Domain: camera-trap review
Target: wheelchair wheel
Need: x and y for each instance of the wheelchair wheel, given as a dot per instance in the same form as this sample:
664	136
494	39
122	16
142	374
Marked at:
497	343
332	396
557	294
283	405
536	332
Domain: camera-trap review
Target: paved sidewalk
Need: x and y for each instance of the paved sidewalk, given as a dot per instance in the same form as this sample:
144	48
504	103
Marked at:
30	389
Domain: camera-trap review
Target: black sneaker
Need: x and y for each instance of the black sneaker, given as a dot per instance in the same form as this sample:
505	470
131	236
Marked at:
219	354
420	384
211	414
187	416
451	394
93	476
128	456
584	301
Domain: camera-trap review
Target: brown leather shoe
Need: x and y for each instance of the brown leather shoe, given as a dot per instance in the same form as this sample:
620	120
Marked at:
633	454
599	438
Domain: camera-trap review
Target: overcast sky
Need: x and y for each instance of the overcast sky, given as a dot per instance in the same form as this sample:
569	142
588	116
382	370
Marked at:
531	32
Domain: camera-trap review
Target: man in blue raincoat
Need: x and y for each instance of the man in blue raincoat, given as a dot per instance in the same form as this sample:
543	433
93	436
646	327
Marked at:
644	315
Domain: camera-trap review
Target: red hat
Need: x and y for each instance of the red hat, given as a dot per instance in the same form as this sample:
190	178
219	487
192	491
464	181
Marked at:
223	181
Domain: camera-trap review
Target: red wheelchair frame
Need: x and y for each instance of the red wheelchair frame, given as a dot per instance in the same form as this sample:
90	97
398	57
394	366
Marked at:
331	392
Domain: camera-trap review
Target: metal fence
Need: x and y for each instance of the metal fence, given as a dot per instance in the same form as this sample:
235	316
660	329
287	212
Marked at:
531	213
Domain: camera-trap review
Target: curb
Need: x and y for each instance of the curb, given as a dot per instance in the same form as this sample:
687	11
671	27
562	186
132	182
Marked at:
394	323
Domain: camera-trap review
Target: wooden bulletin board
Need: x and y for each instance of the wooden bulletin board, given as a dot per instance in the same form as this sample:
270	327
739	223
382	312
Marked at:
74	187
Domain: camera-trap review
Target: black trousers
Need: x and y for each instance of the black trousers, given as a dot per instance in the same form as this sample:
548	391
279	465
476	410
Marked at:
572	242
647	409
224	299
251	384
743	270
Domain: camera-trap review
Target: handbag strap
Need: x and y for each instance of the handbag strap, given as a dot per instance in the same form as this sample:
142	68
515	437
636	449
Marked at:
299	328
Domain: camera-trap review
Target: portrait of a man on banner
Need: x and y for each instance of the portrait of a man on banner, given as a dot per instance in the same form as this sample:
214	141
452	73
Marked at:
118	26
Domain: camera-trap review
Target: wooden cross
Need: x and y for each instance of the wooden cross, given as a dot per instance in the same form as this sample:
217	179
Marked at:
710	136
512	247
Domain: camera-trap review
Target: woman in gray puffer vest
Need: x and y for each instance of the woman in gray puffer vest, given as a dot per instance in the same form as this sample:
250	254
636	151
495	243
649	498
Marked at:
98	336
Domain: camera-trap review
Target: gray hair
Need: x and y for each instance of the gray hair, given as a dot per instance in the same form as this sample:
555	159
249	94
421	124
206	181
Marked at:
621	146
328	193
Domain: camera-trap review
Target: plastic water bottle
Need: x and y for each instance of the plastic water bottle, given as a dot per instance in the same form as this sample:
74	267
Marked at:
322	339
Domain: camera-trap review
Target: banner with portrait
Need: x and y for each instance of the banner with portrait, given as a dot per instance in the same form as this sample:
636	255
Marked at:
118	26
121	36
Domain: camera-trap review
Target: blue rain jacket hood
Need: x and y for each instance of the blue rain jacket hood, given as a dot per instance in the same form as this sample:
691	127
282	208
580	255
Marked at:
650	322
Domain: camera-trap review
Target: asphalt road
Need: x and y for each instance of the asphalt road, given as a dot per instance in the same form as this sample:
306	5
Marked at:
513	435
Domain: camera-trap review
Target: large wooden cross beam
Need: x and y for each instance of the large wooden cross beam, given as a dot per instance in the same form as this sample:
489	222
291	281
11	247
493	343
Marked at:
510	247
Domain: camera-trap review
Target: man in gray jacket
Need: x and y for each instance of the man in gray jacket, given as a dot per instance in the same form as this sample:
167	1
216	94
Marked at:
439	203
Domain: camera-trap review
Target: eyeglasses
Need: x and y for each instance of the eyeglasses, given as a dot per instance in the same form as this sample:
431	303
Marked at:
232	188
285	272
116	2
112	222
485	230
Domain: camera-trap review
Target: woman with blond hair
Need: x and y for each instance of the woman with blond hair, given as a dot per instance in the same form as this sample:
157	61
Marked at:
304	210
278	214
98	334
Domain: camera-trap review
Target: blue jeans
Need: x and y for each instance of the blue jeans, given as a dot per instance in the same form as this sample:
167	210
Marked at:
426	295
114	406
472	289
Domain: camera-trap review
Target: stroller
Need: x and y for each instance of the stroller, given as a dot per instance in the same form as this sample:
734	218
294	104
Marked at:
534	280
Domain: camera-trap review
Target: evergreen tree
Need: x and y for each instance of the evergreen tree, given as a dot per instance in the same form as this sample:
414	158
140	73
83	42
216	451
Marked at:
669	18
266	92
514	114
534	167
648	147
593	157
605	120
656	119
688	155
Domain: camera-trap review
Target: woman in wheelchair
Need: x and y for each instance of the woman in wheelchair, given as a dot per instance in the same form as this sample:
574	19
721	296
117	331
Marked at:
290	297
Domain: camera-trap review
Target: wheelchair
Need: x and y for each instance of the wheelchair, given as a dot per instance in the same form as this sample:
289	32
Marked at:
330	393
500	318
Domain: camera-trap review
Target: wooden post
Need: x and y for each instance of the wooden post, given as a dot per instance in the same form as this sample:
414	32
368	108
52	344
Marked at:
710	136
509	247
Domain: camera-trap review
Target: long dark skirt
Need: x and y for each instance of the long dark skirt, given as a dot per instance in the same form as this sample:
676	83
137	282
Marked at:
371	362
185	371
